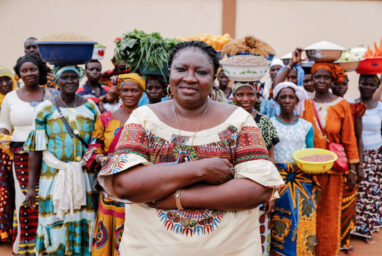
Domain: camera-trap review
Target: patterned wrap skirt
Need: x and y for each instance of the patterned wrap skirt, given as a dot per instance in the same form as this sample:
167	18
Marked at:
369	197
109	227
25	219
294	217
7	203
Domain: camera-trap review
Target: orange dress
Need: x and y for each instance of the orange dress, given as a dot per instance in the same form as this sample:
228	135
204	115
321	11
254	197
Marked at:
336	118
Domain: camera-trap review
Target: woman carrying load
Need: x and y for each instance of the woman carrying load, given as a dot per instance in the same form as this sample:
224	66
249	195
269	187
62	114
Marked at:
369	192
294	216
334	115
67	197
107	129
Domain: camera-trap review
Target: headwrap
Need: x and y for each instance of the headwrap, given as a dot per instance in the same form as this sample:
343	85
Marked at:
337	72
276	62
136	78
268	82
8	73
301	94
300	73
238	85
58	70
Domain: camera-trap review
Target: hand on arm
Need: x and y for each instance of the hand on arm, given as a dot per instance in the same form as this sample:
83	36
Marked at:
236	194
150	183
34	166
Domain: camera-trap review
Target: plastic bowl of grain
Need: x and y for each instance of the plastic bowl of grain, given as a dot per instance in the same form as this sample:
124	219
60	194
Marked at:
66	49
314	160
245	68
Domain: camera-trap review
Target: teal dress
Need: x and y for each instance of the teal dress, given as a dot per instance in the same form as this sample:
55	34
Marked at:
71	234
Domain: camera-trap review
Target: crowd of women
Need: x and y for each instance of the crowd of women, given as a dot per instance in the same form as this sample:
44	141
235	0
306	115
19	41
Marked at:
146	165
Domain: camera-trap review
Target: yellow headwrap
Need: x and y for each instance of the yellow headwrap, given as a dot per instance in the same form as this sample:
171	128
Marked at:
136	78
6	72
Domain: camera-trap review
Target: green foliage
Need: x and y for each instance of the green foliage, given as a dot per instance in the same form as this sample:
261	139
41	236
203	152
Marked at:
138	47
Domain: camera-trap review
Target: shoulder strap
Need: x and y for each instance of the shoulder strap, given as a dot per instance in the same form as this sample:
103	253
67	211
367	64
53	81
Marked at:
319	121
67	125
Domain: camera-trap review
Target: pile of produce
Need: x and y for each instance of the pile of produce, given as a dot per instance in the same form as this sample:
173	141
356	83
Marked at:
137	47
377	51
66	37
353	54
216	41
249	44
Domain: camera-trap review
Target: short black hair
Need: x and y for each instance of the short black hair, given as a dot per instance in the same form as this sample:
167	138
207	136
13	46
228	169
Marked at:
30	38
92	61
196	44
41	65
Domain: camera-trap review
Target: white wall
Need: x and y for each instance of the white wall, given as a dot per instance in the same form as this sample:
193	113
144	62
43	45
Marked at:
284	24
287	24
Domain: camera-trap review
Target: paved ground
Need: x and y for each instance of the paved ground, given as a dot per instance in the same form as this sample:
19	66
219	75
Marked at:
360	248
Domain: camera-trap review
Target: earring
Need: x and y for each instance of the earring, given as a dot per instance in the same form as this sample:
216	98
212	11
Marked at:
168	90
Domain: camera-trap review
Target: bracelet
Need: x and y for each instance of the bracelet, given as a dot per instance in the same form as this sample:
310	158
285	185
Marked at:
288	66
353	171
178	200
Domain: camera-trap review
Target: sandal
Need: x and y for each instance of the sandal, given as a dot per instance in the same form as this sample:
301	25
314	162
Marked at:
369	240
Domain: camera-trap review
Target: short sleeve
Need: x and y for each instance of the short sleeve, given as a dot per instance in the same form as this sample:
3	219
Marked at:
132	150
96	145
5	120
268	131
37	139
309	138
251	159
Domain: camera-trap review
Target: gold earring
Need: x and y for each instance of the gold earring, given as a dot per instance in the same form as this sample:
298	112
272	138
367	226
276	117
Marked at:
168	90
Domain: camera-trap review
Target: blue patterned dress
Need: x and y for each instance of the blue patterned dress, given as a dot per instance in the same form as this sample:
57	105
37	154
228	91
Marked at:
71	235
294	217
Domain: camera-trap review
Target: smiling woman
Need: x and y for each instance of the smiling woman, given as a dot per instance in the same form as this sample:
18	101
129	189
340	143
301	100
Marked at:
336	118
193	170
62	131
16	119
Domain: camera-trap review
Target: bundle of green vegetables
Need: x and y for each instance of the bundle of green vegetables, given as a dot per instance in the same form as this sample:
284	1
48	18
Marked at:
138	48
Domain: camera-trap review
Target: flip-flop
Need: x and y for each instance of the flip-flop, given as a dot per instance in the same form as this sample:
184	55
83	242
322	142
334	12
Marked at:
369	240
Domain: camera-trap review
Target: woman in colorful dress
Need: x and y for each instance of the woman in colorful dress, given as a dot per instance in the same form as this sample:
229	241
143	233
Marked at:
67	197
337	121
194	170
7	84
294	216
111	214
245	96
16	119
348	214
369	192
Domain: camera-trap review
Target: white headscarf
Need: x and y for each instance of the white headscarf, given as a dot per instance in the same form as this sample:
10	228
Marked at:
268	83
301	94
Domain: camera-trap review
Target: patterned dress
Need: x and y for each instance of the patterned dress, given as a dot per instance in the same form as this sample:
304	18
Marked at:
17	116
348	213
111	214
71	234
294	217
148	231
271	138
369	197
337	120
